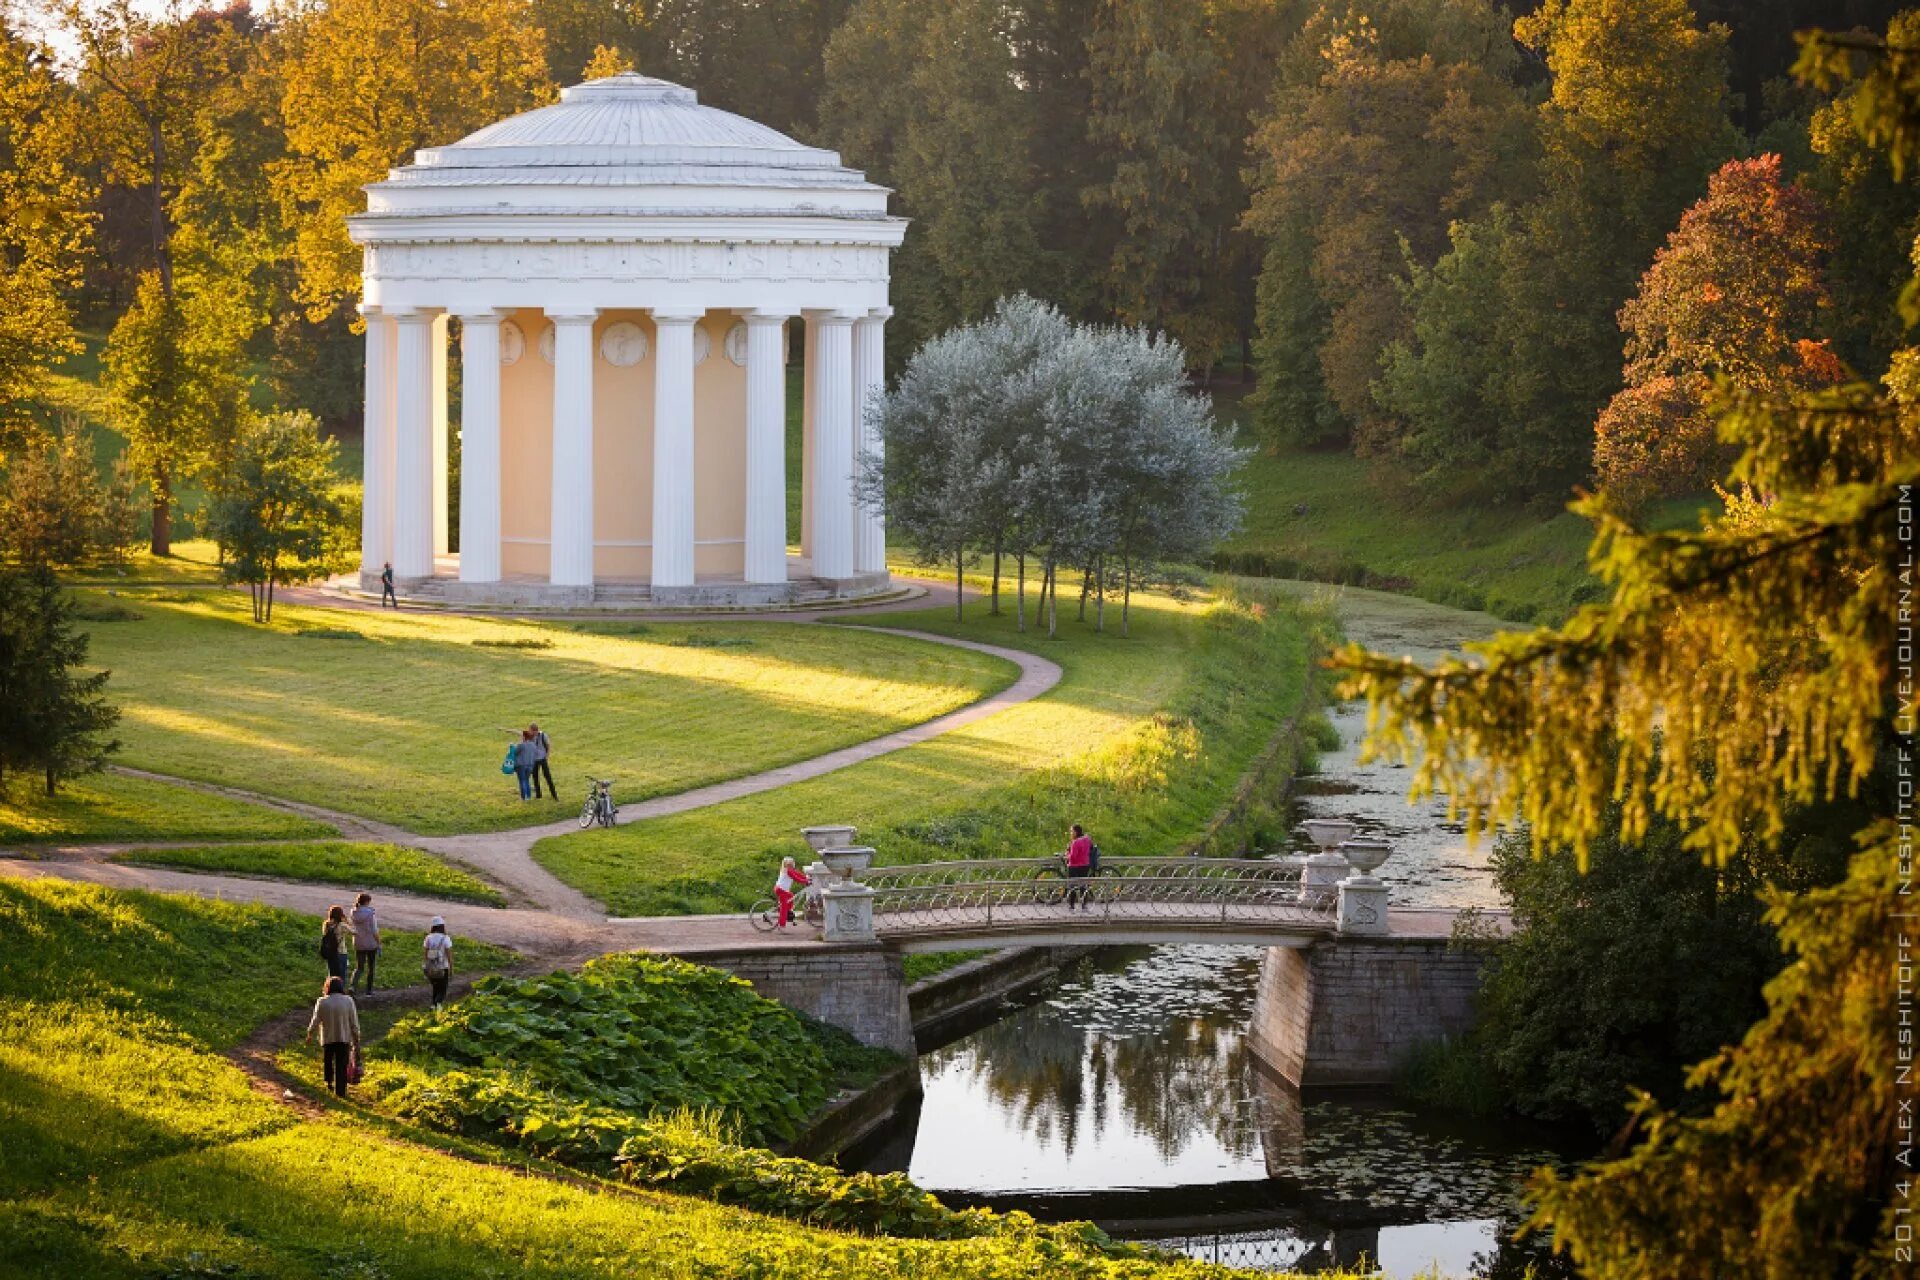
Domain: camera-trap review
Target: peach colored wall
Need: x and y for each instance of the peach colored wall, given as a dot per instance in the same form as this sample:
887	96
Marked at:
719	456
623	455
526	452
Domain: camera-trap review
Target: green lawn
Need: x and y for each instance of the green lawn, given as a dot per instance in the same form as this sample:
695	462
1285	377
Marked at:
339	862
1334	517
403	716
194	562
113	807
1143	740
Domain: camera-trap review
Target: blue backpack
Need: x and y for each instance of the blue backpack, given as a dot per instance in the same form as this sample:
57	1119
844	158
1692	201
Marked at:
512	762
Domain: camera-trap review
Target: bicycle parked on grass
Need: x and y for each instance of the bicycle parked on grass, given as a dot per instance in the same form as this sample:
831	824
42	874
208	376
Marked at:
599	806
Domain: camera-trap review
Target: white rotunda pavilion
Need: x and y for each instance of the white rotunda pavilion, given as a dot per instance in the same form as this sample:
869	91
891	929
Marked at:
624	266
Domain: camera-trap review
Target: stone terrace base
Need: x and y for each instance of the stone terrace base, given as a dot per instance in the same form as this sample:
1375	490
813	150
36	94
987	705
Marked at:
536	595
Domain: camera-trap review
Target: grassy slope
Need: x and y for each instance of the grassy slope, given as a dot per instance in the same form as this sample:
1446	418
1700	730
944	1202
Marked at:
114	807
135	1149
399	718
1142	740
338	862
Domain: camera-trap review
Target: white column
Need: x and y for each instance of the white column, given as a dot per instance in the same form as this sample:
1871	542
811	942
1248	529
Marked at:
570	545
376	466
869	381
437	361
480	446
766	523
413	446
673	449
831	394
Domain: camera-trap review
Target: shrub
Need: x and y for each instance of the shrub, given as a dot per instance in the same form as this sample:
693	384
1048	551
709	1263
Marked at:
528	642
104	611
632	1034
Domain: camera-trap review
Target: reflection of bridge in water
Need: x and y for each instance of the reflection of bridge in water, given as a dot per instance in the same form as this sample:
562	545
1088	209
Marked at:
1011	902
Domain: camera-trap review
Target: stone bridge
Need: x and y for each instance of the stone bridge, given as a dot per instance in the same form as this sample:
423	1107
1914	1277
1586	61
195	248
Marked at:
1348	985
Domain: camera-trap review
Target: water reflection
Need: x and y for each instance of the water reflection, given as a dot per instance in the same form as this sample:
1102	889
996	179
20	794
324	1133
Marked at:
1128	1094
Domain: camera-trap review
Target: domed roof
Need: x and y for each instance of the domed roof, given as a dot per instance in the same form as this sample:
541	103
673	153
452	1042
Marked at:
627	130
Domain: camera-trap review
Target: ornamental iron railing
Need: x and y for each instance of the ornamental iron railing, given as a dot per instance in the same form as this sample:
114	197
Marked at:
1016	892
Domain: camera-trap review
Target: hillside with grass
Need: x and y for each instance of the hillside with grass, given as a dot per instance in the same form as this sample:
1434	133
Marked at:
137	1147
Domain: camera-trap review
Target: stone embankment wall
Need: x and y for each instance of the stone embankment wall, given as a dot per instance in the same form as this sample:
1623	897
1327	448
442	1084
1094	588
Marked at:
1349	1012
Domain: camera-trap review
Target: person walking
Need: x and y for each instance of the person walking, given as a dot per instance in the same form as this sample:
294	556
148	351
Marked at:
1079	866
338	1022
366	940
386	586
790	876
334	935
438	960
518	759
542	752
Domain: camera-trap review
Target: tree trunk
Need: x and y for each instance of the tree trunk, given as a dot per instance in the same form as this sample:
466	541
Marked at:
1086	585
993	610
162	250
959	585
1100	595
53	780
272	572
1053	601
161	544
1020	597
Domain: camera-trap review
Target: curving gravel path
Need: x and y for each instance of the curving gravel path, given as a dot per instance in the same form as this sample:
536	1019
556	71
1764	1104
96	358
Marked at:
548	917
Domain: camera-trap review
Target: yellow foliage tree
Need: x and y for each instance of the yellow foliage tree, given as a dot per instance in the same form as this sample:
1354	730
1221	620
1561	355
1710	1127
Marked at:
366	82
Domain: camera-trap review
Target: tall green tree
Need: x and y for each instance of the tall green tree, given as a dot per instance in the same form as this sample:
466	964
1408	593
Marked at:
765	61
54	717
1174	89
276	516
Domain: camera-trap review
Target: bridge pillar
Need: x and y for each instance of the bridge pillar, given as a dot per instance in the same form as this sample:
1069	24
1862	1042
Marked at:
860	989
1348	1011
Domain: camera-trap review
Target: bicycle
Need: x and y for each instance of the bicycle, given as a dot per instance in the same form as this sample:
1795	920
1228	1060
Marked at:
764	915
599	806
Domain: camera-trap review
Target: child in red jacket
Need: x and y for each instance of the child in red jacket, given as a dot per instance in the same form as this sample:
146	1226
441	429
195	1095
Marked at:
790	875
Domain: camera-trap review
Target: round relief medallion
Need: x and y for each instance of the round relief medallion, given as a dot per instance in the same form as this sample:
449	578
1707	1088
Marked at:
702	344
736	345
546	343
623	345
513	343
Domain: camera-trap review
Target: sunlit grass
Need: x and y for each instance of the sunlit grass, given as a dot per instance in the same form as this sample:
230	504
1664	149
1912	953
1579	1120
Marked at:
405	717
1142	740
113	807
360	865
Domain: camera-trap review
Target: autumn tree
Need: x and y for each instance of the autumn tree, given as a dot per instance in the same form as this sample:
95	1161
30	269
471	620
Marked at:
43	226
1738	293
1388	124
442	71
1739	671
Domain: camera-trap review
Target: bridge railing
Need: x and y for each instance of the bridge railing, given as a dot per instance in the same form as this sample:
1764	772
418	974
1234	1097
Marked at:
1021	890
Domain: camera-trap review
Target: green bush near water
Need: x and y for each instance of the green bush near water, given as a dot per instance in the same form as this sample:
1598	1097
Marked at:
629	1033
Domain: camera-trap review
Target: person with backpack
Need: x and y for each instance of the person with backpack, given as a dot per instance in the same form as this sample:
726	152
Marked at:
516	763
334	936
338	1022
386	587
1080	855
437	963
366	940
542	752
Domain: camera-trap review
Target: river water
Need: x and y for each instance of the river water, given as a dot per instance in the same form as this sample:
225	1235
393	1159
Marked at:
1125	1092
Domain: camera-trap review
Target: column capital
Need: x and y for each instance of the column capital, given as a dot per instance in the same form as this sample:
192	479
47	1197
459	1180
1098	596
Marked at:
879	313
415	315
670	315
830	315
759	316
371	310
573	315
483	315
